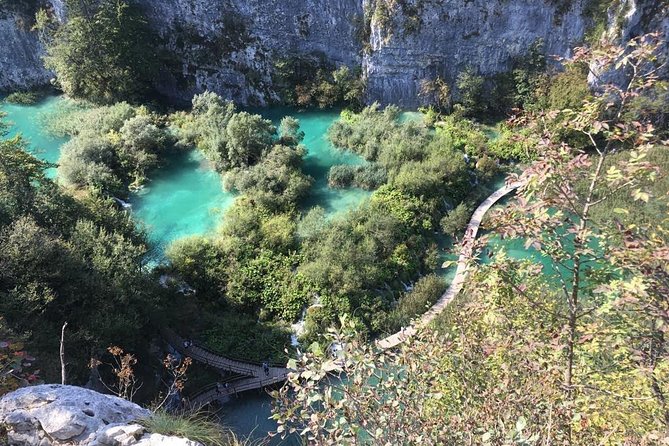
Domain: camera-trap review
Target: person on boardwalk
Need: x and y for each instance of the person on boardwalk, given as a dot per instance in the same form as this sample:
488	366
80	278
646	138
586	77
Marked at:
265	367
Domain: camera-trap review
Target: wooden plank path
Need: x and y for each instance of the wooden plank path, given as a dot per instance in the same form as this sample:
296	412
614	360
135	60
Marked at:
256	377
460	274
222	392
204	356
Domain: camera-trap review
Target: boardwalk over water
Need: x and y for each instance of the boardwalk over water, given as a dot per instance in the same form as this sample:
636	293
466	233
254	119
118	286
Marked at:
460	274
255	376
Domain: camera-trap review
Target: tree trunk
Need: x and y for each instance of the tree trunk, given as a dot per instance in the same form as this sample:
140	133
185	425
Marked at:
63	373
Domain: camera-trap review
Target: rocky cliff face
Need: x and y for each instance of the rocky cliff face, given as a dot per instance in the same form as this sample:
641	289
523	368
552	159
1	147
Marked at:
20	56
442	37
231	46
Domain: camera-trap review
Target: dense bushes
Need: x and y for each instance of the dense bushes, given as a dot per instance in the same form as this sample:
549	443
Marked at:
67	260
102	53
227	138
455	221
277	182
112	147
313	82
416	301
22	97
368	176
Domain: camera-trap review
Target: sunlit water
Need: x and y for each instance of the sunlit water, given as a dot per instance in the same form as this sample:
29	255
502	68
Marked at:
186	198
29	122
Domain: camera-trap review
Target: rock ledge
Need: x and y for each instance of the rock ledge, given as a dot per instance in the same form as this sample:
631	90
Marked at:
53	415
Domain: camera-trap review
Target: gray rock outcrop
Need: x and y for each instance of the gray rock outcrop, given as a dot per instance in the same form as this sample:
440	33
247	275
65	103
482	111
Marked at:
442	38
54	415
21	65
231	46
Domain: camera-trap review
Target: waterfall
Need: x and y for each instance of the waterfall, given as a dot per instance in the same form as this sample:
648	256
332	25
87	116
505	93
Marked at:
123	204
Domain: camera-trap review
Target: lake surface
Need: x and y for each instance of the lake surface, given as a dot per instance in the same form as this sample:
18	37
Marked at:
186	196
29	122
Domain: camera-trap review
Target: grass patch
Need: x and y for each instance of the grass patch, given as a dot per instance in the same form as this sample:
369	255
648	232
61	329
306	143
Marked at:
194	427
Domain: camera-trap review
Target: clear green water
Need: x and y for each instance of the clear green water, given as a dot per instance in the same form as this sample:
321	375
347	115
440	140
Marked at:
29	121
185	197
320	157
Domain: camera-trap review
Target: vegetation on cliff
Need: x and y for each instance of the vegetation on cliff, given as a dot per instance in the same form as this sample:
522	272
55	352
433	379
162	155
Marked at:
569	350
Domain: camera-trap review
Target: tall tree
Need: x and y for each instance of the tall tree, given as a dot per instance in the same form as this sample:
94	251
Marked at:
103	52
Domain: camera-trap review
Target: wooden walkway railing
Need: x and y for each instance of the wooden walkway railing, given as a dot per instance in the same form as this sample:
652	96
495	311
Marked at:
460	275
256	376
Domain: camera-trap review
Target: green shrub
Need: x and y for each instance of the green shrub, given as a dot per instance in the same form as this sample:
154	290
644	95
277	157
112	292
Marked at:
414	303
194	427
514	144
456	220
369	176
103	52
22	98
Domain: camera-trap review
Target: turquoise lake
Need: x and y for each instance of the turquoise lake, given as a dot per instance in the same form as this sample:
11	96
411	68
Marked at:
186	197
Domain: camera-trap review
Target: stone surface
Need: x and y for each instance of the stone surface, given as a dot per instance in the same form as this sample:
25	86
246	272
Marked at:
451	35
231	46
54	415
20	56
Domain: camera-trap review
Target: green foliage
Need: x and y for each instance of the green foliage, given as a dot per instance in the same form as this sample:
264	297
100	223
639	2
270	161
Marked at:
305	82
277	182
369	176
514	143
193	427
427	290
240	335
67	260
289	131
112	147
470	92
227	138
355	259
456	220
463	135
364	133
22	97
523	85
568	88
103	52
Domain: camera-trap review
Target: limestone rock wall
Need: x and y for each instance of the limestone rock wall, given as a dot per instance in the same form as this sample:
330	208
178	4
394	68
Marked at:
229	46
55	415
442	37
20	55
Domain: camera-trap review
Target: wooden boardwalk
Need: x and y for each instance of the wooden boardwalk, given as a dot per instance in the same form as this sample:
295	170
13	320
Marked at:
460	274
255	376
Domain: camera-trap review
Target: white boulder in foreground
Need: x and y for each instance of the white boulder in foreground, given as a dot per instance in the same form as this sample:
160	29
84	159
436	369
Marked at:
53	415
